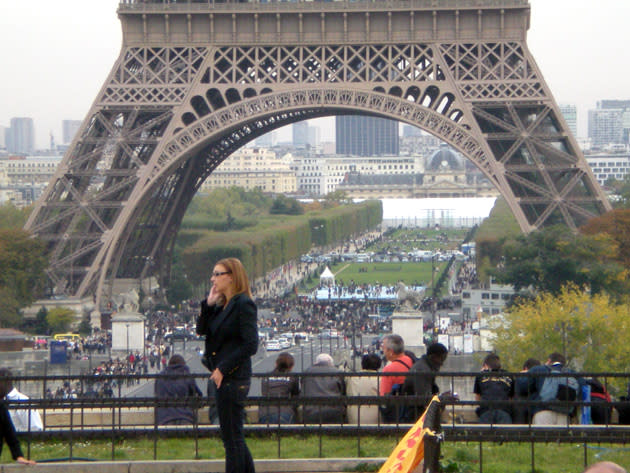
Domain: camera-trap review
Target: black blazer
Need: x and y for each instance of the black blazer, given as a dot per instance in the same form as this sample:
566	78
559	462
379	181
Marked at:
7	432
231	336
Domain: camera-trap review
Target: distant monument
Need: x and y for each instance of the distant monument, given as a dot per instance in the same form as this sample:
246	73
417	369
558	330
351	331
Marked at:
407	319
407	298
128	301
127	324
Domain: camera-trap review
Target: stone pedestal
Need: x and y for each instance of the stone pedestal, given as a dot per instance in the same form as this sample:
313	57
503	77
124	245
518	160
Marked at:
95	319
409	325
128	332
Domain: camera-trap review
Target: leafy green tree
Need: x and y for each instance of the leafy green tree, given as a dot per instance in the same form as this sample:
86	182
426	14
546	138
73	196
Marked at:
550	258
23	263
286	206
590	330
85	327
41	323
492	234
241	207
229	221
332	199
60	319
179	288
9	309
617	225
622	191
12	217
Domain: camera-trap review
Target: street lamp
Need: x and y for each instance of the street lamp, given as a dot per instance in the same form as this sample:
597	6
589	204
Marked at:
433	302
127	325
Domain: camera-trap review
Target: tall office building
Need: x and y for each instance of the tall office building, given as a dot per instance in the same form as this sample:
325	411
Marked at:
267	140
623	105
609	123
300	134
21	136
569	112
69	128
3	132
361	135
605	126
313	136
606	104
410	130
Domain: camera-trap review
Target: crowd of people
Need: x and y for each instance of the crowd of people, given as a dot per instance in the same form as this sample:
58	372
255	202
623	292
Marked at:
338	290
322	394
549	394
325	393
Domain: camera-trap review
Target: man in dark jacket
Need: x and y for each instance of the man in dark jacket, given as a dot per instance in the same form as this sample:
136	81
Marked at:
177	384
421	379
332	387
493	385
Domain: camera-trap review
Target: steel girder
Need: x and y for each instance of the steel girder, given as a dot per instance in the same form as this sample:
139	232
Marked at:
172	110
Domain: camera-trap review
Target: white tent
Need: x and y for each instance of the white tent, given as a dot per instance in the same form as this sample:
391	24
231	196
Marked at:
327	277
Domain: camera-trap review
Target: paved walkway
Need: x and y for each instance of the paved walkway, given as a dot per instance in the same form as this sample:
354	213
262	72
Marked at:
296	270
311	465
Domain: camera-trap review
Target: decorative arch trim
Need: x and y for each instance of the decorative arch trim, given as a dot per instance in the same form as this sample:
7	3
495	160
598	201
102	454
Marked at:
247	112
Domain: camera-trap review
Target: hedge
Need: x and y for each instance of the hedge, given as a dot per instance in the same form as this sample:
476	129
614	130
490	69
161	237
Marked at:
265	247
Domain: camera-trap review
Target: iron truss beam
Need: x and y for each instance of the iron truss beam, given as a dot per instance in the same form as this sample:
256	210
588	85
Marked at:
194	82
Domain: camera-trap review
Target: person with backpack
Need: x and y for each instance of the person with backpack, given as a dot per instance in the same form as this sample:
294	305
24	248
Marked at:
553	389
421	379
601	407
397	362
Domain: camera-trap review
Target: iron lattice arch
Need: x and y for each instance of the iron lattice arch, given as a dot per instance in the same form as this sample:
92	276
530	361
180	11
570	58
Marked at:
168	115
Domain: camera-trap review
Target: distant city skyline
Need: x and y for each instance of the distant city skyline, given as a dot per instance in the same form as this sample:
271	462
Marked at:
65	51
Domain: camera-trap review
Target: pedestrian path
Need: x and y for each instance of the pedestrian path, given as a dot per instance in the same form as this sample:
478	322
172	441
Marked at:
310	465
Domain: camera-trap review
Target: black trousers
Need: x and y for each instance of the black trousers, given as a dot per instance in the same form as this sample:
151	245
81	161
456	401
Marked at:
230	399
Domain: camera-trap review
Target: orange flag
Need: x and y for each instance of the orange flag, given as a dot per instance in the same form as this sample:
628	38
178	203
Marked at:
410	450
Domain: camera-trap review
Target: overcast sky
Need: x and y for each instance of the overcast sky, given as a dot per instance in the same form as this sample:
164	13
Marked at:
56	54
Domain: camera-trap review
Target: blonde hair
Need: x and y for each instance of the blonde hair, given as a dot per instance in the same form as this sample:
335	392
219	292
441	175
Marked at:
240	282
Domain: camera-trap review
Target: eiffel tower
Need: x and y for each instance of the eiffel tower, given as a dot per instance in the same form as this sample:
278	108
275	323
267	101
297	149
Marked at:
197	79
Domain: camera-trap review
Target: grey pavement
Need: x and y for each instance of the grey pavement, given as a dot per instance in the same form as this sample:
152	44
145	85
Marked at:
310	465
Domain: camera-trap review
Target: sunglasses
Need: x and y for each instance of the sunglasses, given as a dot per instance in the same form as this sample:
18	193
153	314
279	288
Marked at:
216	274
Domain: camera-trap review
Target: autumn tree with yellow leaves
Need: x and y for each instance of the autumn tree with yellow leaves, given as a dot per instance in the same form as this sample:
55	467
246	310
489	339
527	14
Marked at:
590	330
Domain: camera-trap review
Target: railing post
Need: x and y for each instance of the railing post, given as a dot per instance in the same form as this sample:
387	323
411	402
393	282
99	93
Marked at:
432	438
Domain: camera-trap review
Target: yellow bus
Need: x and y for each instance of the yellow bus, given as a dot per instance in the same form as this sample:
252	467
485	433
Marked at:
67	336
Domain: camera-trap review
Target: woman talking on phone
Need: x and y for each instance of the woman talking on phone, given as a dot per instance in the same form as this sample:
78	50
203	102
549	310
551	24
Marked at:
228	319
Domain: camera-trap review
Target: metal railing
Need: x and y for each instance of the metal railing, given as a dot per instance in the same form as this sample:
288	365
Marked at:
133	5
72	420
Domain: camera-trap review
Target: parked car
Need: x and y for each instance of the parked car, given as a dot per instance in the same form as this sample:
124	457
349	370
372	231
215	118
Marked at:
301	336
328	333
273	345
179	334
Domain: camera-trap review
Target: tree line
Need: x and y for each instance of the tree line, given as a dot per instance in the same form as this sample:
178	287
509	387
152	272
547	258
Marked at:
573	288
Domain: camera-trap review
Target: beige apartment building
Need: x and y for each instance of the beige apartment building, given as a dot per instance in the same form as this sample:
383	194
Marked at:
320	175
442	174
253	168
23	179
28	170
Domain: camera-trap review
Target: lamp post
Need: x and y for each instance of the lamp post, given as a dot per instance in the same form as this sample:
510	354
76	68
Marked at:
433	302
127	325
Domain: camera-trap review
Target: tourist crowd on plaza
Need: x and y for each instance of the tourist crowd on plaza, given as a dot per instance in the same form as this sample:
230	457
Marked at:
495	391
387	377
339	290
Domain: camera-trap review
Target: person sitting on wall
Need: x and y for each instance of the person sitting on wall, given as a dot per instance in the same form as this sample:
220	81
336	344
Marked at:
177	383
